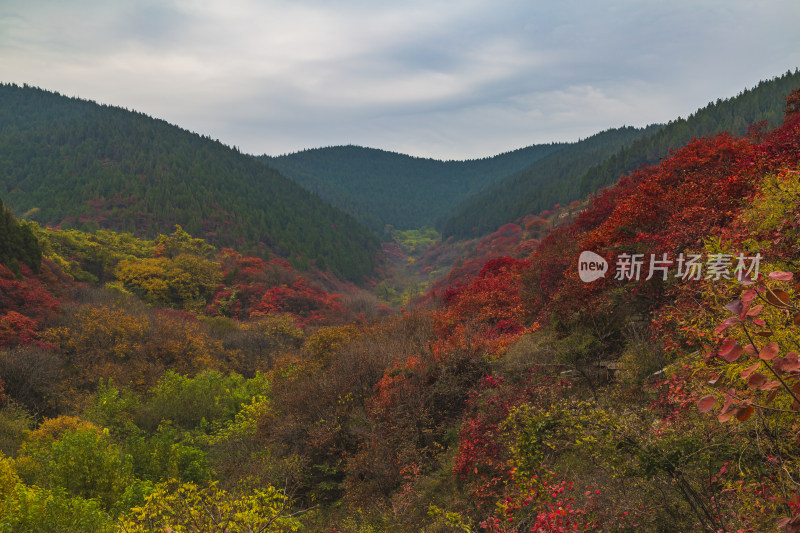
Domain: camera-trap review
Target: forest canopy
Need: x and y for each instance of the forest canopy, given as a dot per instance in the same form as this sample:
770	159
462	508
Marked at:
72	163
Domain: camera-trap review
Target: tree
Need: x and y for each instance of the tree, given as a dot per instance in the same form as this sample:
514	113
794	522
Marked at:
194	508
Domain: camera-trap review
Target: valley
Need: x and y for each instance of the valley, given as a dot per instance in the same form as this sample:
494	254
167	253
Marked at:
348	339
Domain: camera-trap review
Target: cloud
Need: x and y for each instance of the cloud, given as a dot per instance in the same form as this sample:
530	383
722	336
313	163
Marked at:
434	78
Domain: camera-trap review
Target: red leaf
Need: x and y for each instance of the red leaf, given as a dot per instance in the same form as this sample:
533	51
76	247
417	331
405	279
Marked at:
769	351
743	413
778	298
756	380
790	363
770	385
759	322
748	296
749	370
751	350
726	415
728	322
771	396
792	524
732	354
726	346
755	310
781	276
729	398
706	404
735	307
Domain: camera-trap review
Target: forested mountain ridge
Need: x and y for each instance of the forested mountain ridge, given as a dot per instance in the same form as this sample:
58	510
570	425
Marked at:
380	187
559	179
549	181
764	102
74	163
154	385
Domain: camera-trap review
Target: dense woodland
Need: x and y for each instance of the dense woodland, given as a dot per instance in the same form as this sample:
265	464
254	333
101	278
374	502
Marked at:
71	163
584	167
737	115
380	187
162	383
549	181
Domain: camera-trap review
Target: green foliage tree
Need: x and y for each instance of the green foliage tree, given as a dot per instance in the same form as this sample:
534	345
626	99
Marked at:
32	508
75	164
91	257
18	243
184	281
83	461
551	180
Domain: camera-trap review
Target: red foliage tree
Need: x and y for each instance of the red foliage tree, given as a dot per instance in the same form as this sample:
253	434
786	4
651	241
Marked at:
306	303
483	454
485	314
246	281
25	304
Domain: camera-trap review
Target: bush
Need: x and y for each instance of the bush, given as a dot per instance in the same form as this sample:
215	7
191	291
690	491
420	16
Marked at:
82	461
256	343
206	401
33	377
15	424
189	507
165	456
8	477
51	511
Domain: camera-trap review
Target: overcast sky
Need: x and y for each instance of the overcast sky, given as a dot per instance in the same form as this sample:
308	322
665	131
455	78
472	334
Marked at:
443	79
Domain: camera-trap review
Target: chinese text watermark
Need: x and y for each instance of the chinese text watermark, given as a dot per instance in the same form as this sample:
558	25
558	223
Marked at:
635	267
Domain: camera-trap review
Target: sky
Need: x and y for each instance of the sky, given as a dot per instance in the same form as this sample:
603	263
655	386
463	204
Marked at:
443	79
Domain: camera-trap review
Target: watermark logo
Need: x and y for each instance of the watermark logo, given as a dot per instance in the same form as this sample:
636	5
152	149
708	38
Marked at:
633	267
591	266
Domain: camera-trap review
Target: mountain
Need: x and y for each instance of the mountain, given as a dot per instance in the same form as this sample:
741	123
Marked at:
155	384
735	115
572	173
551	180
380	187
73	163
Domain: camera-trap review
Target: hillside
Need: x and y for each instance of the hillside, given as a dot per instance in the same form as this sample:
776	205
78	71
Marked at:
735	115
159	384
73	163
571	173
549	181
380	187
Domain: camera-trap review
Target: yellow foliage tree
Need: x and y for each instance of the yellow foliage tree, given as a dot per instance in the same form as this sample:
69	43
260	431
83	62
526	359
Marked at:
8	477
187	507
131	347
185	281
